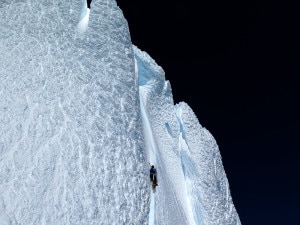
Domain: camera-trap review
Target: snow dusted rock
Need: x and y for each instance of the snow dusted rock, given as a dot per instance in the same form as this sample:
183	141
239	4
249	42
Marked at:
71	144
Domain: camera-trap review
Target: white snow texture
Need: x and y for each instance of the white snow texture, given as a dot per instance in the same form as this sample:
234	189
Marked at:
82	114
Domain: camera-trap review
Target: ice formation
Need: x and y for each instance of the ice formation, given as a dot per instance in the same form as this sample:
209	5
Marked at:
82	114
195	188
69	116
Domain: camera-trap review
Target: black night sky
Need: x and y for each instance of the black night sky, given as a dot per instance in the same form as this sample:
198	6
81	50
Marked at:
236	63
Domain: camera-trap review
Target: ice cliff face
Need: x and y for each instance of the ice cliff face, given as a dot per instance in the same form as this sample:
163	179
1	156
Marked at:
82	112
71	140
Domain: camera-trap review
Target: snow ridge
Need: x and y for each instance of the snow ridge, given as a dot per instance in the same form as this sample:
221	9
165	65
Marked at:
189	158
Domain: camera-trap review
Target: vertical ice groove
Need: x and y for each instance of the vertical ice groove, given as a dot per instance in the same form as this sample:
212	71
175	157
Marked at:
84	18
69	116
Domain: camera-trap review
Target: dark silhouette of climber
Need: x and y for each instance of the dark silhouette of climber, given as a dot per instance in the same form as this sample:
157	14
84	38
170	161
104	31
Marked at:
89	3
153	176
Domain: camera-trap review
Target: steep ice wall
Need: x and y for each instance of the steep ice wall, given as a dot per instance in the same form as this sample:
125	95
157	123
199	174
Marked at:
193	188
71	149
71	143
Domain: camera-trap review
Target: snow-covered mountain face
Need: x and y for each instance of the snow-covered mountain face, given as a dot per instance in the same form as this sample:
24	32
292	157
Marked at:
71	144
82	114
193	188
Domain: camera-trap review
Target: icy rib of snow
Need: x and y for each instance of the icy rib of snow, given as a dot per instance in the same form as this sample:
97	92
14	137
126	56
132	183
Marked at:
193	188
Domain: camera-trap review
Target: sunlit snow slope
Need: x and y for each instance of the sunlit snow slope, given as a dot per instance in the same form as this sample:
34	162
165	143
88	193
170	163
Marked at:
193	188
71	143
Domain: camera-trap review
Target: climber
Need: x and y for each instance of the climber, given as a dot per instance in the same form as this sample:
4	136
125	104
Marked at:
89	3
153	176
